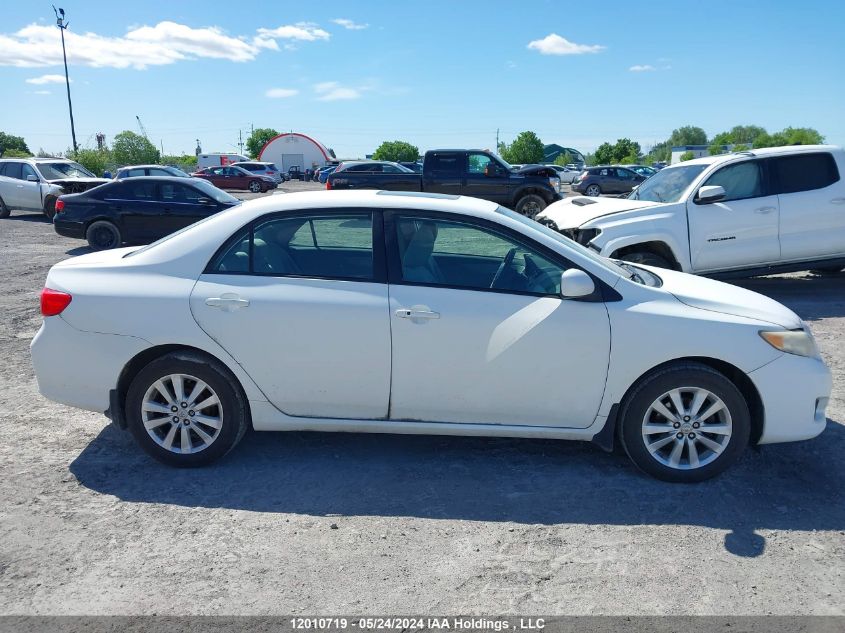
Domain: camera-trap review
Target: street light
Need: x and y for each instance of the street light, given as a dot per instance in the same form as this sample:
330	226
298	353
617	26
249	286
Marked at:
62	24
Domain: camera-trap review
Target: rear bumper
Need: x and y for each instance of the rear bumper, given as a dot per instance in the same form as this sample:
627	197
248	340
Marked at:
69	229
58	351
795	391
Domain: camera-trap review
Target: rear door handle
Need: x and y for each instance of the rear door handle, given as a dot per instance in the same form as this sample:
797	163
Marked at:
838	201
765	210
413	313
228	302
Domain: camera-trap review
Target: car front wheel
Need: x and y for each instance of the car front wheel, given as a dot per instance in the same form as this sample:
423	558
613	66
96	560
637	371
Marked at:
255	186
685	423
185	411
530	205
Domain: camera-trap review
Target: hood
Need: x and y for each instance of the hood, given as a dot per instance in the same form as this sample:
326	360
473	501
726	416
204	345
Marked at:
78	185
717	296
570	213
537	170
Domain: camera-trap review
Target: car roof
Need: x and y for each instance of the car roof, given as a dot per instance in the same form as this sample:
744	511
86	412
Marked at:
35	159
252	162
146	166
762	152
178	179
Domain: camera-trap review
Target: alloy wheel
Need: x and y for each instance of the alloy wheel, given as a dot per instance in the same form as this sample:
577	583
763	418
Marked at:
687	428
593	190
182	413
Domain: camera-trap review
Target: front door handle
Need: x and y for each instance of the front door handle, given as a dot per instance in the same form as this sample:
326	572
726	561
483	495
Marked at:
228	302
416	313
765	210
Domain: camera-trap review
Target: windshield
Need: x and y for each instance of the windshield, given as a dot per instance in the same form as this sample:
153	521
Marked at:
604	262
667	185
57	171
213	192
176	172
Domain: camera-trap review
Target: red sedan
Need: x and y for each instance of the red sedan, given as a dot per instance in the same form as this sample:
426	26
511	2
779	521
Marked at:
230	177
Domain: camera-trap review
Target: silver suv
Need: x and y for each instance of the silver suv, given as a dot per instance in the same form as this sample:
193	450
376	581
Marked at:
264	169
34	184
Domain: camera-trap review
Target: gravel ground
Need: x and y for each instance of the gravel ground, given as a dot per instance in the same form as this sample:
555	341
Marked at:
371	524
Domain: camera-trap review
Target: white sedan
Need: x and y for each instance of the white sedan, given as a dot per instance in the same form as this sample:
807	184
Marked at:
390	312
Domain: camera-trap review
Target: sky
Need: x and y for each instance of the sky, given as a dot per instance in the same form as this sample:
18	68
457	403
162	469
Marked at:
437	73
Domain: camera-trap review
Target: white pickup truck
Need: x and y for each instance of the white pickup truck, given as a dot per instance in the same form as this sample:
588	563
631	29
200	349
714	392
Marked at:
34	184
750	213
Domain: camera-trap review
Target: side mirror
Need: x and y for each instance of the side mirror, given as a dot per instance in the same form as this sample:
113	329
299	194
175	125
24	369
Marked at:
710	194
32	178
491	170
576	283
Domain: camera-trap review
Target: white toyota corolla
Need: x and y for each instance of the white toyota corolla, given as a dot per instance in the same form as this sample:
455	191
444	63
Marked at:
391	312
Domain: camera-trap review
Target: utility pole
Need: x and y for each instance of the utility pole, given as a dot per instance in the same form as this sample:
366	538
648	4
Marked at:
241	142
497	141
63	24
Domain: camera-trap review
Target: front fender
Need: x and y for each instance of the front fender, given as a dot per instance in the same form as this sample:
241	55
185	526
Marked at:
679	252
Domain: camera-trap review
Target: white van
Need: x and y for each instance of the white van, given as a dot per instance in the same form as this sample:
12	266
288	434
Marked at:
216	159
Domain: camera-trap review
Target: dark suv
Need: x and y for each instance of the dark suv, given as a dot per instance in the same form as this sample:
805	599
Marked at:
594	181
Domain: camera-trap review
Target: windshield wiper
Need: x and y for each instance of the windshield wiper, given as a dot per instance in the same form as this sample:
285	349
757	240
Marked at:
635	276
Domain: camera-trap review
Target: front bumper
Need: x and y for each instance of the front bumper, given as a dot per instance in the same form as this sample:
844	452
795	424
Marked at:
795	391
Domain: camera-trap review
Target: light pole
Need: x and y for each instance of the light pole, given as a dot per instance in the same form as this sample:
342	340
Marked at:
62	24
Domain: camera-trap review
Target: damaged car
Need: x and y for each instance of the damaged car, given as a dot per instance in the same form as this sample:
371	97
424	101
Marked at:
34	184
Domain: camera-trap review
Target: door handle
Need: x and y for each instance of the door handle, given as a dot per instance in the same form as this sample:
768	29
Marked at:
228	302
838	201
415	313
765	210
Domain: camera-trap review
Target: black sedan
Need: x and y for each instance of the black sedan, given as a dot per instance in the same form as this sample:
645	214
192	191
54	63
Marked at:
137	210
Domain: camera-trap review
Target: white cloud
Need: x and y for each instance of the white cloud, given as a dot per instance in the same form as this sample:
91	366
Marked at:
167	42
333	91
554	44
305	31
281	93
349	24
47	79
640	68
42	92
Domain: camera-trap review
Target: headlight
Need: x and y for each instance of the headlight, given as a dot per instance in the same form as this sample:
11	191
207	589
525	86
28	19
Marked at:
798	342
555	183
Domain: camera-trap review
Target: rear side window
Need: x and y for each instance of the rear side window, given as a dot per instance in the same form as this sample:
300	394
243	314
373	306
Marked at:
446	163
12	170
740	180
804	172
129	190
331	246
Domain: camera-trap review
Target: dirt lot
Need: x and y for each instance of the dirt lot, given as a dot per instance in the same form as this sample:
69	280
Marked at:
369	524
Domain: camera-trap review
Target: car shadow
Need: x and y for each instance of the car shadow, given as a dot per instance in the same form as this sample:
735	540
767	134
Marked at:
810	295
23	216
79	250
782	487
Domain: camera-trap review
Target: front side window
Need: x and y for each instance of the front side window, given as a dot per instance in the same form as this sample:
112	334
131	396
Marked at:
740	180
174	192
328	246
478	163
804	172
134	173
461	255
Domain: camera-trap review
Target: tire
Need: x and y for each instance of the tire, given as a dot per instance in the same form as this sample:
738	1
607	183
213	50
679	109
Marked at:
5	211
648	258
223	424
103	235
593	191
255	186
530	205
714	451
50	208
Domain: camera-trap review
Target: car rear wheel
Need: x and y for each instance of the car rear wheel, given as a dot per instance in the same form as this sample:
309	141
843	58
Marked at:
103	235
593	191
685	423
185	411
254	186
530	205
4	210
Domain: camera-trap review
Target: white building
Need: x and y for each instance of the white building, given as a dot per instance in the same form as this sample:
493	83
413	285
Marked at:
296	150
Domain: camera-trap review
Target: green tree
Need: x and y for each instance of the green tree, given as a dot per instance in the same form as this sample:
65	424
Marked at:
802	136
739	147
746	134
603	154
688	135
11	142
624	151
186	162
526	149
258	139
129	148
688	155
564	159
397	151
715	149
94	160
15	153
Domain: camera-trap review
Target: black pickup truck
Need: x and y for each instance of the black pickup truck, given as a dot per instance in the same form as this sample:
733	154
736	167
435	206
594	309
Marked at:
476	173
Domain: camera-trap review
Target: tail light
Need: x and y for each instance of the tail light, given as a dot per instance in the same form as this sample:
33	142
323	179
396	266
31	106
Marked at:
328	183
60	205
54	302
